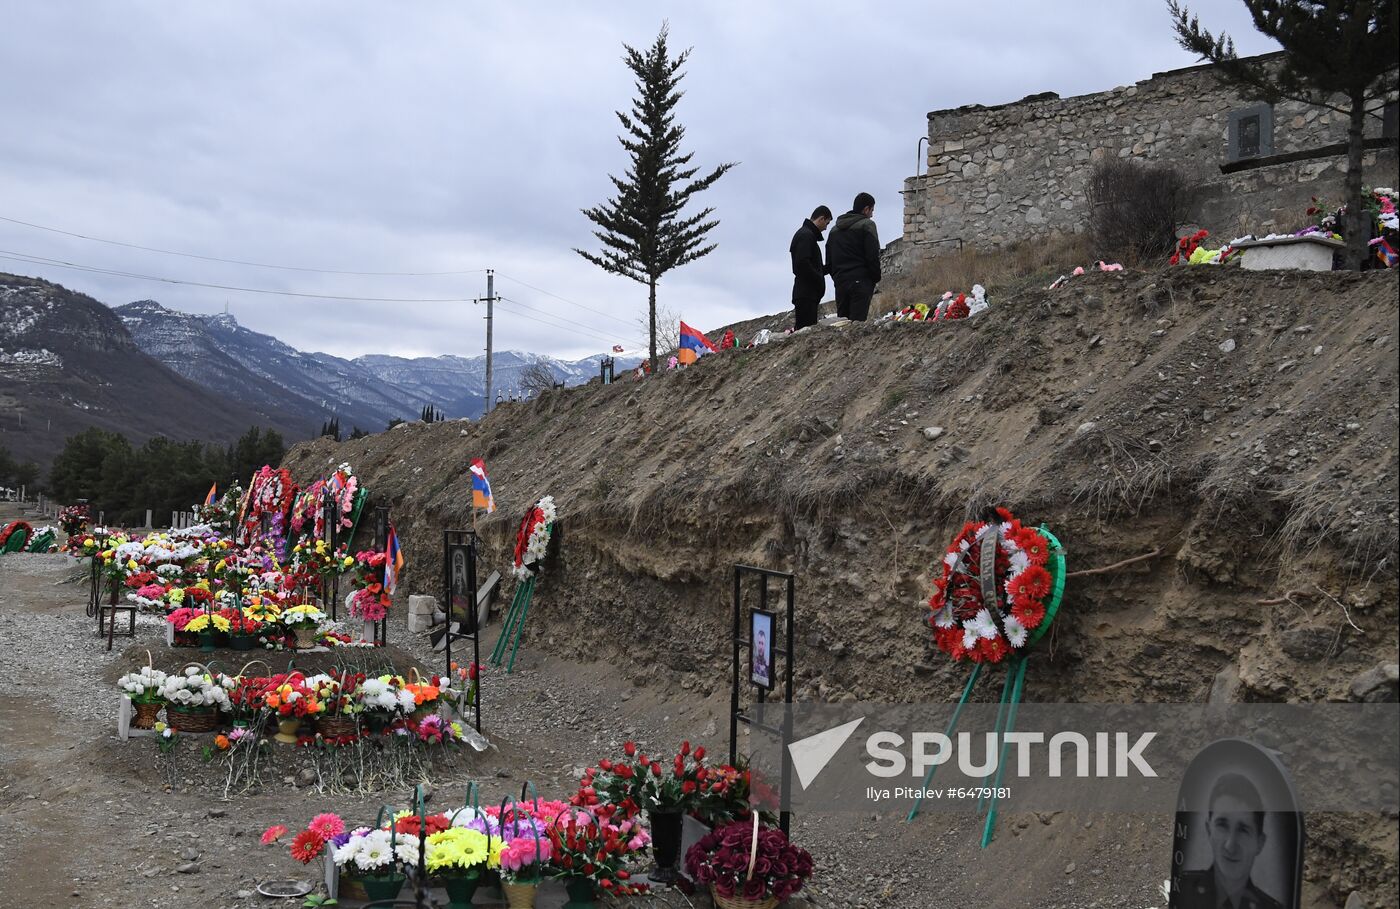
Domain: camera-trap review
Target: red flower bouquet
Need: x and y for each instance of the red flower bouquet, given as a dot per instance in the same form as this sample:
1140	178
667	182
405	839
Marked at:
588	846
728	863
626	787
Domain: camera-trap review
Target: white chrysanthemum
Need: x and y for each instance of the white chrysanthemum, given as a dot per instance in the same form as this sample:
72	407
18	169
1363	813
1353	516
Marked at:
969	638
951	559
983	625
1019	562
944	617
1015	632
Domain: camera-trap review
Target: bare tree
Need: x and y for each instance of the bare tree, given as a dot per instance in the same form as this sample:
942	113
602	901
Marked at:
536	379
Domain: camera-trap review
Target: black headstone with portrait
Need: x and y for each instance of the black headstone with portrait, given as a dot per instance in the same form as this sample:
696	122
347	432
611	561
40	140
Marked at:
1238	834
459	549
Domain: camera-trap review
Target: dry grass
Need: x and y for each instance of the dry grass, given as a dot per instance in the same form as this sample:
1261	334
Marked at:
1001	271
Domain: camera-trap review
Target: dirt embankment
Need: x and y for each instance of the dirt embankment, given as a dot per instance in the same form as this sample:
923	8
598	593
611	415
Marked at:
1242	424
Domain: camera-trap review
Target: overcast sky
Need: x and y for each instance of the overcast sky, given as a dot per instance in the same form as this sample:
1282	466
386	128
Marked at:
455	136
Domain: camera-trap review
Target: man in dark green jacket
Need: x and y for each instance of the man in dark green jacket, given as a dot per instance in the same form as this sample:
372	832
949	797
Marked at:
853	259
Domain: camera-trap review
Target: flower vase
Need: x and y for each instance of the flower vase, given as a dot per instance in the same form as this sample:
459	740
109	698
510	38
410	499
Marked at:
206	642
382	887
287	731
520	894
582	891
665	845
145	715
242	641
461	889
306	635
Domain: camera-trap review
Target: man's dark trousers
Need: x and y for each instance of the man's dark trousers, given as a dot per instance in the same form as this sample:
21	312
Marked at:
853	300
805	306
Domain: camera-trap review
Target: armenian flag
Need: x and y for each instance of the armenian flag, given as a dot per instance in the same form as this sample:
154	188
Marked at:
694	345
481	487
213	492
393	561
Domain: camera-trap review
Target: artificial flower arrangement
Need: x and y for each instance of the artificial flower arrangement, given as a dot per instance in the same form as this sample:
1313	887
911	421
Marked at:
290	696
584	845
949	306
143	686
532	540
726	861
304	620
208	622
626	787
222	512
370	601
461	686
195	690
74	519
965	625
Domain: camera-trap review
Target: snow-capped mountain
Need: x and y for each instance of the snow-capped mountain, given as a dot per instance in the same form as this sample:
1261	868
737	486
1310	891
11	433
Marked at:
68	363
367	392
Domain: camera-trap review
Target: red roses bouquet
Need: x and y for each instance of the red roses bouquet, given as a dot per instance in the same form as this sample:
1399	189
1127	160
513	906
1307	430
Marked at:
625	787
734	866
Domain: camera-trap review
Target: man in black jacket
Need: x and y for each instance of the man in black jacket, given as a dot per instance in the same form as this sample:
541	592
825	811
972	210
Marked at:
808	272
853	259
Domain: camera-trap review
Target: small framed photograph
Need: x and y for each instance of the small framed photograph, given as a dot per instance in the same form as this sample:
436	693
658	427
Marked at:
459	599
762	639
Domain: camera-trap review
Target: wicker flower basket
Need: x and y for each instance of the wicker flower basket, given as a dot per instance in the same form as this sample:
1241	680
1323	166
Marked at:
335	725
738	902
192	719
146	714
307	636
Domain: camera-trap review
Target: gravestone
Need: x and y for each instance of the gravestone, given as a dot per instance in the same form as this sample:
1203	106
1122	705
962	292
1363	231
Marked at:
1238	832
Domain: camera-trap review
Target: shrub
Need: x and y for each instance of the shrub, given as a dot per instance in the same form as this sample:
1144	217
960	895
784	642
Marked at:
1134	209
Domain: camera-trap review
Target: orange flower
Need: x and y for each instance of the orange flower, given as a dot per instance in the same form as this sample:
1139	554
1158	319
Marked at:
221	742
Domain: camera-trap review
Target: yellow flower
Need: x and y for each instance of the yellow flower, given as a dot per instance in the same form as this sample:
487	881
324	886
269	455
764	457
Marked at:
222	564
131	564
348	561
159	726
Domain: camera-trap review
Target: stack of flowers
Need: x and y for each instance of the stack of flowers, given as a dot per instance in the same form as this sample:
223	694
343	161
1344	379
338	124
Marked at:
194	699
384	699
370	601
74	519
949	307
723	860
626	787
304	621
532	541
587	847
180	619
289	696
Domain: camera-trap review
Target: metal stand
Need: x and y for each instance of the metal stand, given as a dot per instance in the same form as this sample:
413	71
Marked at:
743	646
456	541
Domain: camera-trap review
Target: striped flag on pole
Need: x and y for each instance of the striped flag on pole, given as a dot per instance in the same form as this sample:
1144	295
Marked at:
481	488
393	561
213	491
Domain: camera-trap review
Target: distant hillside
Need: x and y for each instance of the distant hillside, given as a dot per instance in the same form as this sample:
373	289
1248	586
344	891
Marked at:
68	363
368	391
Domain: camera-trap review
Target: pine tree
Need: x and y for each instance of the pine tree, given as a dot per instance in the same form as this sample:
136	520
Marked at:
643	232
1331	48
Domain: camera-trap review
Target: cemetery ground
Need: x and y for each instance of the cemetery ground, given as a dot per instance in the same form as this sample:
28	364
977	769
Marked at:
96	822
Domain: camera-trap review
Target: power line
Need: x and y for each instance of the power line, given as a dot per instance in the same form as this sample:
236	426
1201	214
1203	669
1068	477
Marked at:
171	252
547	318
566	300
59	263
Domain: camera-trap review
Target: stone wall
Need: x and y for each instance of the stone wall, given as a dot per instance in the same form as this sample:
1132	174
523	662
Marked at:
1018	171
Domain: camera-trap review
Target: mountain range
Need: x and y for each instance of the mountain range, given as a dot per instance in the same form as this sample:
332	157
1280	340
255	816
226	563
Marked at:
68	362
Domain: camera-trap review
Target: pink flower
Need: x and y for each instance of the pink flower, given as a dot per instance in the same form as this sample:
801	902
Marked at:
328	825
273	834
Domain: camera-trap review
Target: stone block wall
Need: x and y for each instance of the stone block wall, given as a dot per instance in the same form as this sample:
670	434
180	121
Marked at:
1017	171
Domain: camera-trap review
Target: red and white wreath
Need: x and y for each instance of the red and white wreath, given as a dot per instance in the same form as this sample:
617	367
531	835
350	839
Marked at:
984	615
532	541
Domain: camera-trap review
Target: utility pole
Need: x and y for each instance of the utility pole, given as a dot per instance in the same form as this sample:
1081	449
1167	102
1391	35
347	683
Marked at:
490	313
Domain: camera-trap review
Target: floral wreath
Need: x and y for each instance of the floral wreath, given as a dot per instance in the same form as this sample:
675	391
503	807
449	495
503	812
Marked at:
984	615
532	541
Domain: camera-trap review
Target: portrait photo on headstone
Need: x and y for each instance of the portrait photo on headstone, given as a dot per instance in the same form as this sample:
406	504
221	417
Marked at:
462	609
761	634
1238	836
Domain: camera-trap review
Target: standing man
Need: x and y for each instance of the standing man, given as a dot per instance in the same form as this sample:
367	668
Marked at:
853	259
808	272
